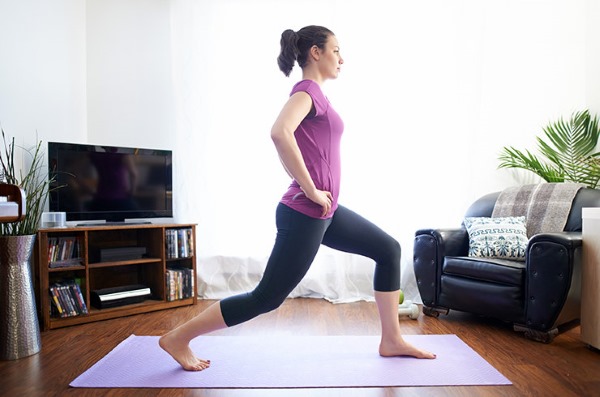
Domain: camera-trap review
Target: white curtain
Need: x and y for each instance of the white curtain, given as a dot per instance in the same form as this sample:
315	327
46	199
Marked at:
430	91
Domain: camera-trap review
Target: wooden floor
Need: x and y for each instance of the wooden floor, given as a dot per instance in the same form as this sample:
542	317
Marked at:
566	367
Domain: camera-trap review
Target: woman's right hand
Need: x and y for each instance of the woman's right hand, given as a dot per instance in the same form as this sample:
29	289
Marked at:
321	197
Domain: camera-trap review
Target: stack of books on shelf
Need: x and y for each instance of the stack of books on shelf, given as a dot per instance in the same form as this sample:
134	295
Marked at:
180	284
180	243
63	252
67	299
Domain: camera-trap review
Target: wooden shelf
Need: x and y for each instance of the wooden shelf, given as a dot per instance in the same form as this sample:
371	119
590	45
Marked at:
93	274
65	269
124	263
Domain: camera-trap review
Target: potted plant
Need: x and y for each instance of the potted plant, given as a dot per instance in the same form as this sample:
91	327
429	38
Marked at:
19	330
569	152
33	180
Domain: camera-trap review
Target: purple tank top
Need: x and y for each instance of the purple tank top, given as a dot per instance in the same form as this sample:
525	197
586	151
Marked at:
318	137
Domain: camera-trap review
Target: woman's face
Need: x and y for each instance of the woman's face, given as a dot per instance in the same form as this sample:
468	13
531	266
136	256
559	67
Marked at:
330	60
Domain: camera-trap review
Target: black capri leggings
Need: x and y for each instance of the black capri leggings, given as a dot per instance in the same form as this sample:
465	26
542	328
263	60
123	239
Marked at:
298	239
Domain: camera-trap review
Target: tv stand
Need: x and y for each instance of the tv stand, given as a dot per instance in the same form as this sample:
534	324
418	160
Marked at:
167	268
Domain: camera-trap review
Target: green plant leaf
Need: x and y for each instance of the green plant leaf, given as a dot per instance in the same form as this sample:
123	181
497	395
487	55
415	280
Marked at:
514	158
567	151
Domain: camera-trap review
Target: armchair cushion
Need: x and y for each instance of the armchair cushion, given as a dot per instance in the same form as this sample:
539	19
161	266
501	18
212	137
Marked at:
502	237
499	271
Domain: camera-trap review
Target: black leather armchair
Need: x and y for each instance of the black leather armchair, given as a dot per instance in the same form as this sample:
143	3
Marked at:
536	296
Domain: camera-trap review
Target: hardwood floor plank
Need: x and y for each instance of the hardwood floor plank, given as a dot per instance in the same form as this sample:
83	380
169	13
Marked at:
566	367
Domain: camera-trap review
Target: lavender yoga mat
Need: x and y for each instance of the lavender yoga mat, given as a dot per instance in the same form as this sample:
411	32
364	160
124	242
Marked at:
291	361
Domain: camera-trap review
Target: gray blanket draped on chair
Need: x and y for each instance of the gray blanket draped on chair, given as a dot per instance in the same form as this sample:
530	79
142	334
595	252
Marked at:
545	206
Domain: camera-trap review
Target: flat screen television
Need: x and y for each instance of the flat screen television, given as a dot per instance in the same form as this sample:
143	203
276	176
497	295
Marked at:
110	183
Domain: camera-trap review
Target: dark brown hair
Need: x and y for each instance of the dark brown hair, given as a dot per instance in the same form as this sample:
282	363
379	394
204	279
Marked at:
296	45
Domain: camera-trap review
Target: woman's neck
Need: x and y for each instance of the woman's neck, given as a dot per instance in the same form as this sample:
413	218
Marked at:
309	74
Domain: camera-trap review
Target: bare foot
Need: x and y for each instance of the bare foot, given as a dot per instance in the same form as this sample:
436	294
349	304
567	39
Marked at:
182	354
401	348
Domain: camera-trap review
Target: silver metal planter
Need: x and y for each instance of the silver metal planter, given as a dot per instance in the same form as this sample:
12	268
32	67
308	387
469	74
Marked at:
19	327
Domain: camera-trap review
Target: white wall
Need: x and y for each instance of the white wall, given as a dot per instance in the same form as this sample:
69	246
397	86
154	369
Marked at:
592	39
43	70
129	88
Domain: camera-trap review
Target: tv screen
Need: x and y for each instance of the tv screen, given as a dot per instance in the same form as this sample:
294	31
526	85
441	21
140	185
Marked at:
110	183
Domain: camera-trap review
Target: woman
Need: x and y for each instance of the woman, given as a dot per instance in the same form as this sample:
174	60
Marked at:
307	136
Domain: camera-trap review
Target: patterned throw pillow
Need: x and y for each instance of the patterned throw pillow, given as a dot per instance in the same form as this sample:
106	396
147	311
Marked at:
503	238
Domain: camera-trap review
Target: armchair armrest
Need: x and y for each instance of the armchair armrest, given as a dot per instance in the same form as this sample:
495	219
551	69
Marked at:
430	248
16	204
448	242
568	239
553	281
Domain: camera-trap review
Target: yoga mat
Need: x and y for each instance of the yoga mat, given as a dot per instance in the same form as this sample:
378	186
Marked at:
291	361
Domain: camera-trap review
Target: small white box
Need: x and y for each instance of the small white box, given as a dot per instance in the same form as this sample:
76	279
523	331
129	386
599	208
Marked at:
54	219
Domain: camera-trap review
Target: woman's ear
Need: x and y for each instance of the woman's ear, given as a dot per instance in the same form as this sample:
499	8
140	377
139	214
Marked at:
315	52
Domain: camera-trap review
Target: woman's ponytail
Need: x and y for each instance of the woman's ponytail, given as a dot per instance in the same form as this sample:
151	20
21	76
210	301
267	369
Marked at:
289	51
